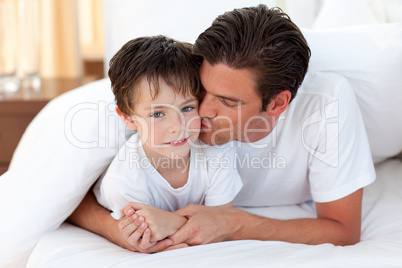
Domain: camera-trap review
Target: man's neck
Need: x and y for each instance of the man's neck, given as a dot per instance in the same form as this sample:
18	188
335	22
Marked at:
260	131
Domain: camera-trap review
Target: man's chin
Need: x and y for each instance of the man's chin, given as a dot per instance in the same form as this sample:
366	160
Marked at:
213	140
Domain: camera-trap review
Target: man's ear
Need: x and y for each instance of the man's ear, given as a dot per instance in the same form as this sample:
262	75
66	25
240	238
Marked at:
279	103
126	119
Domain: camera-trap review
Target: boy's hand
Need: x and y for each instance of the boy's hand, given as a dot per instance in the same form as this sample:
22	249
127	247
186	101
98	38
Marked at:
139	234
130	228
161	223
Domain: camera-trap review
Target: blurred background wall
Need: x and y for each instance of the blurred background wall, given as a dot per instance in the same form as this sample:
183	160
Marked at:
72	32
71	38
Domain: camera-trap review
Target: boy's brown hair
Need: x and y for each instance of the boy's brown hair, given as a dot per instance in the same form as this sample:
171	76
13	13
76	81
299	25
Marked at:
153	58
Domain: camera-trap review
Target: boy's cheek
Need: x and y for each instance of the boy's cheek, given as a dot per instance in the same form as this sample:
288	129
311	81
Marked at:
195	124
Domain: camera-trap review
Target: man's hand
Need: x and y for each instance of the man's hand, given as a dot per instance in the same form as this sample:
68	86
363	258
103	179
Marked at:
206	224
338	222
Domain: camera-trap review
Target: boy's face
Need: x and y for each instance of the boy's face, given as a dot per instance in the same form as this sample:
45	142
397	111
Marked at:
168	124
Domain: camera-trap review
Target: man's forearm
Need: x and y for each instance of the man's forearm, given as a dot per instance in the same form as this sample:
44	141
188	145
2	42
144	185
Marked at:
338	222
95	218
306	231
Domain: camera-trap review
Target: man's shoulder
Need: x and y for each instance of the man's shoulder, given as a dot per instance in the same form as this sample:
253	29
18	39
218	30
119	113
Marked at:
326	84
319	89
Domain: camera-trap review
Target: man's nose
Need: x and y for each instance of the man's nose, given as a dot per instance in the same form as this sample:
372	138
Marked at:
208	107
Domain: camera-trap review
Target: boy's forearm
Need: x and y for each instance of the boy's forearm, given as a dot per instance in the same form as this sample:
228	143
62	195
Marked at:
180	221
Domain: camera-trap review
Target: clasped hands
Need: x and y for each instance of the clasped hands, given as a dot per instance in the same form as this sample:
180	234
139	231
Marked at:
147	228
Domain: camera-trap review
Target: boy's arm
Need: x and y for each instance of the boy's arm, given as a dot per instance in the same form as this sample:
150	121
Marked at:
95	218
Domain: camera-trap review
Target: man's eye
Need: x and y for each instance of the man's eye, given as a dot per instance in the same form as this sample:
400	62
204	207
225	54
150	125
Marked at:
157	114
187	109
230	103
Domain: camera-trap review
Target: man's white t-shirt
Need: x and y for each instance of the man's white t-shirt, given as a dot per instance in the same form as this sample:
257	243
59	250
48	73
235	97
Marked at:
212	180
318	150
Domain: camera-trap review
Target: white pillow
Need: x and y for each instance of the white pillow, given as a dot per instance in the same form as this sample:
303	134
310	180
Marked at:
394	11
61	154
346	13
370	57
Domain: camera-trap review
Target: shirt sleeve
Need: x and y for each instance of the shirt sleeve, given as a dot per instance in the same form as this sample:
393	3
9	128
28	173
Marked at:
117	187
341	163
225	182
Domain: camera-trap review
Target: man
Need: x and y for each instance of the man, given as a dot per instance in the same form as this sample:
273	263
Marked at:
290	150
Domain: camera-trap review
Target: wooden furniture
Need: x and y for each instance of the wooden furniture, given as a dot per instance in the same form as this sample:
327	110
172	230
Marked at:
18	109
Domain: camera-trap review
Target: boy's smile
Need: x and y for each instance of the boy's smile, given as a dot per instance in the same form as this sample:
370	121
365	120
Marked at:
167	124
178	142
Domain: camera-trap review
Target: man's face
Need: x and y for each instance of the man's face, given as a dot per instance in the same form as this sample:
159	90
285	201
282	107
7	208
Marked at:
231	108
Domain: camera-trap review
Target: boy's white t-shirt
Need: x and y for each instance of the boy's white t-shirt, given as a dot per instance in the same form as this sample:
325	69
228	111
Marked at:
212	180
318	150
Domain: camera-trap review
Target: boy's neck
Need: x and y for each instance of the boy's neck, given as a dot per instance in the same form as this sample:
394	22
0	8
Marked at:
174	171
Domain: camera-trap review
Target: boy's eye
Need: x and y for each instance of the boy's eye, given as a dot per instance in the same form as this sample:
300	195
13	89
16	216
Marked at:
157	114
187	109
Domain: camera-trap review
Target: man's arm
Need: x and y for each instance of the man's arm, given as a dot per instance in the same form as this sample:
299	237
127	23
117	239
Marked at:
95	218
337	222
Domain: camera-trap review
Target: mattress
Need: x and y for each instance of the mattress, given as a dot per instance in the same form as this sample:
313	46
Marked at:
380	246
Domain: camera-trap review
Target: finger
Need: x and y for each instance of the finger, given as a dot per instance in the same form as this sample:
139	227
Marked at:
137	220
130	208
129	212
178	246
159	246
137	206
180	236
128	229
124	222
145	241
134	238
187	211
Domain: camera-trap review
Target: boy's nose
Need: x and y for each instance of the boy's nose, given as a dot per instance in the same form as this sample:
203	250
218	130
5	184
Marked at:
176	123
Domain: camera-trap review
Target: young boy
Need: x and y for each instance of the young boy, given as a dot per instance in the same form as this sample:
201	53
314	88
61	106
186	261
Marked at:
156	86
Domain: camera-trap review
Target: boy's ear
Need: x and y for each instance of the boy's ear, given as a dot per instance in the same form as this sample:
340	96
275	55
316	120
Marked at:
126	119
279	103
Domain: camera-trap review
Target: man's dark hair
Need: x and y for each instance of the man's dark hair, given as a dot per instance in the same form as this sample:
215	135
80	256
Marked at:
262	40
153	58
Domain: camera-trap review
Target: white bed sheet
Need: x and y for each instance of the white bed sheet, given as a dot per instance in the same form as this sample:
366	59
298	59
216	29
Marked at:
380	246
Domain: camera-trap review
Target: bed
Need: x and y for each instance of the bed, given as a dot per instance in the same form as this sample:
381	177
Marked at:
380	246
76	135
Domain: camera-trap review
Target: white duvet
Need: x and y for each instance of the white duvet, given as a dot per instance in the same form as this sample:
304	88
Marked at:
380	246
